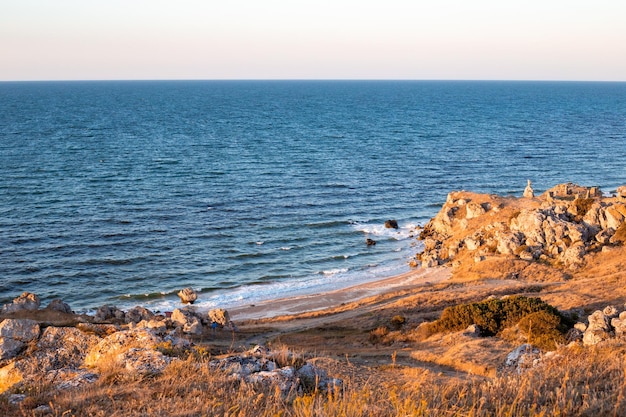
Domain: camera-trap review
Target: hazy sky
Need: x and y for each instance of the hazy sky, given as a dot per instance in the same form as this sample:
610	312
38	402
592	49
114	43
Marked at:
317	39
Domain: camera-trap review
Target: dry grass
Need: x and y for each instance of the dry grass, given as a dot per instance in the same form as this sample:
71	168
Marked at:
577	381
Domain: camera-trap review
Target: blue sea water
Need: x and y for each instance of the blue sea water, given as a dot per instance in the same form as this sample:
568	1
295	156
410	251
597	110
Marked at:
125	192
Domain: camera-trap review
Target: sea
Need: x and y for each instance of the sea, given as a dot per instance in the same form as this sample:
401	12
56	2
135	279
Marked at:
125	192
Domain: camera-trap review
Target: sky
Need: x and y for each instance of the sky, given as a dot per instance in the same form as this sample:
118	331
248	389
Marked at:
317	39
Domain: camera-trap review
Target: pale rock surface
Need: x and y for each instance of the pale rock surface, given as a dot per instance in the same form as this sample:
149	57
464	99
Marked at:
219	316
118	342
188	320
187	295
523	358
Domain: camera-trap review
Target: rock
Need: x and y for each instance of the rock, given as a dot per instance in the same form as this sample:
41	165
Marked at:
523	358
573	257
23	330
138	313
391	224
26	301
528	191
188	320
508	242
598	329
283	378
604	236
118	342
580	326
143	361
106	313
610	312
473	330
474	210
15	334
159	327
98	329
63	347
370	242
59	305
187	295
621	191
10	348
219	316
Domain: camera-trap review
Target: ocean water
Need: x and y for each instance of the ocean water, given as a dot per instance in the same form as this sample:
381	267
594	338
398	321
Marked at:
125	192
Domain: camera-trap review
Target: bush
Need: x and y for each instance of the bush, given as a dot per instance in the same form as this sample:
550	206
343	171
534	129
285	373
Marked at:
398	321
492	316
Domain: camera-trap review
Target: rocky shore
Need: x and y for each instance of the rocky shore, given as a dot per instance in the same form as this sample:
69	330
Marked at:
562	250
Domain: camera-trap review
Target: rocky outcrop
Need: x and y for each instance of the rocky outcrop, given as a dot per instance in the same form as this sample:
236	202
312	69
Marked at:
261	366
187	295
560	227
15	334
26	301
188	320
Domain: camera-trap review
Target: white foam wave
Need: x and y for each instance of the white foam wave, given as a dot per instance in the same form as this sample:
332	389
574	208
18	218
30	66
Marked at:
335	271
405	231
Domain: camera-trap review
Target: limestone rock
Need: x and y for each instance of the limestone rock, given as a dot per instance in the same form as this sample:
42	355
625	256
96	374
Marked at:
523	358
23	330
143	361
10	348
137	314
107	312
621	191
188	320
473	210
118	342
528	191
187	295
26	301
63	347
59	305
219	316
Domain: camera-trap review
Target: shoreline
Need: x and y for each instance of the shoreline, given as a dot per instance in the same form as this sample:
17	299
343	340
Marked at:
316	302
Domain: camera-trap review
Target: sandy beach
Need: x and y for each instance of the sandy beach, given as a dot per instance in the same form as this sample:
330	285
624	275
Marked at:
315	302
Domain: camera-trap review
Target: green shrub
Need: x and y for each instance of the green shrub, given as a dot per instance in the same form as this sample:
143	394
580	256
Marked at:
492	316
543	329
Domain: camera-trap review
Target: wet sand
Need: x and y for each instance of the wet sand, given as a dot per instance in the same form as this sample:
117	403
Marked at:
325	300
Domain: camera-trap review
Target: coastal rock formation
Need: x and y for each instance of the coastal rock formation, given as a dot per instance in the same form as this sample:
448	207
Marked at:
187	295
26	301
558	228
59	305
261	366
15	334
528	191
188	320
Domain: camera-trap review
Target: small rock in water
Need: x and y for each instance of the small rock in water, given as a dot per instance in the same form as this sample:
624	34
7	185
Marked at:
370	242
187	295
391	224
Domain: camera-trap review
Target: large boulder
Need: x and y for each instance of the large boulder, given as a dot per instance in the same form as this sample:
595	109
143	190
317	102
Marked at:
188	320
118	342
15	334
219	316
137	314
26	301
60	306
187	295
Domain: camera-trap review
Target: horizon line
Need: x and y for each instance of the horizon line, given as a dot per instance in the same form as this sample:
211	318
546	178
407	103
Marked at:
313	80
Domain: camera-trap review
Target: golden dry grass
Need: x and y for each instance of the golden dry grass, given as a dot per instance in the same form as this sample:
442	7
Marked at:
576	381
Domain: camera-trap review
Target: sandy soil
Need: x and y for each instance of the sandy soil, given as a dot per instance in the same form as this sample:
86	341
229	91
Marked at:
327	300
